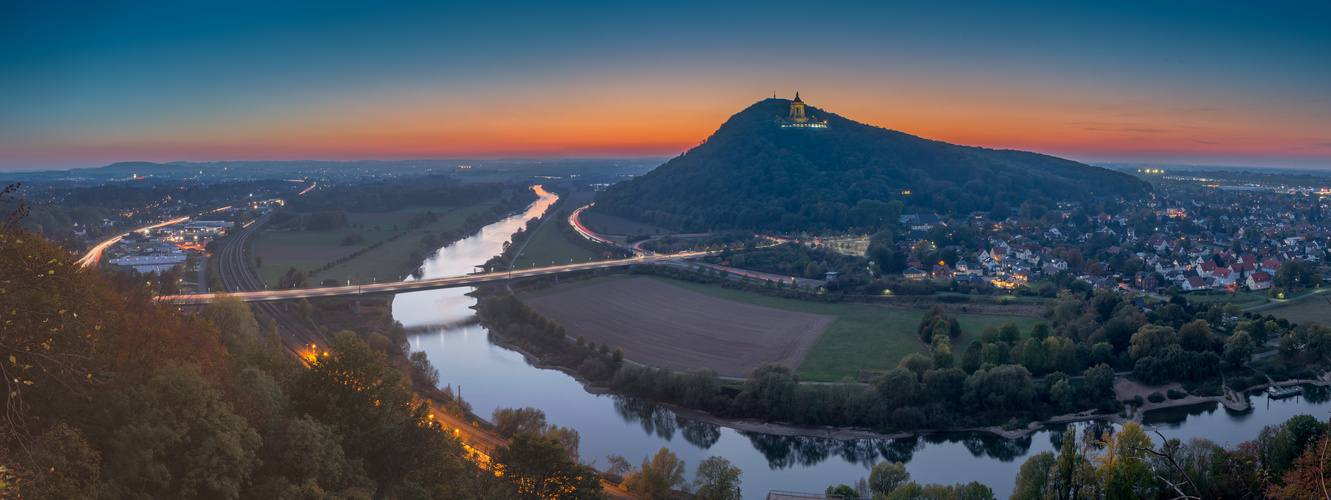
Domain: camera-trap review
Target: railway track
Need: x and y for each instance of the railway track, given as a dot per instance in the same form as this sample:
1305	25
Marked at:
236	275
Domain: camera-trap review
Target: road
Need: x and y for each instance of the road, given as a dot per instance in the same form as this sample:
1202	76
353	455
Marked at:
95	253
429	284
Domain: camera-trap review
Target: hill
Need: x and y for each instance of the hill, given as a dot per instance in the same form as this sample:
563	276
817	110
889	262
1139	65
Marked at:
753	174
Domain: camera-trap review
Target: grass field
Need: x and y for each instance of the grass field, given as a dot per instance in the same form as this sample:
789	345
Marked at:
324	238
389	262
549	245
1244	301
867	337
1302	310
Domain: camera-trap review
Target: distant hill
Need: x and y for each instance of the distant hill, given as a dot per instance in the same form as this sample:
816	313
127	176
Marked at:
752	174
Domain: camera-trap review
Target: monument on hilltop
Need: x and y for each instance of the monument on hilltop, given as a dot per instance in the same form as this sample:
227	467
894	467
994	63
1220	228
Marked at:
798	119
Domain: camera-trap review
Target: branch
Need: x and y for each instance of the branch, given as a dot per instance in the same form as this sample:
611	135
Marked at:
1173	463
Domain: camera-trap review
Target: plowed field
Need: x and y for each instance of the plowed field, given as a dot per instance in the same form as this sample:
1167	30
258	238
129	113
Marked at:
662	325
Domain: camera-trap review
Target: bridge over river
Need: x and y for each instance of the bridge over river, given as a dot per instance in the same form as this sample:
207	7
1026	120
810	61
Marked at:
360	291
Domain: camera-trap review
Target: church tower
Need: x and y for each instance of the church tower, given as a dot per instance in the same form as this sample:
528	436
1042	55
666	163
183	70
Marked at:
797	110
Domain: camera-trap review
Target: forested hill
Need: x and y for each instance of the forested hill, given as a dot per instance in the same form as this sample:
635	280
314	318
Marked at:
752	174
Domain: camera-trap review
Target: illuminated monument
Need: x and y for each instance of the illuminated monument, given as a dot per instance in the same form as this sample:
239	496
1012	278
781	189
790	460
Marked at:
797	118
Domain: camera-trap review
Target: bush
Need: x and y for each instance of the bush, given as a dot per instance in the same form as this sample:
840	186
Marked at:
1239	383
1137	400
1177	394
1156	397
1106	407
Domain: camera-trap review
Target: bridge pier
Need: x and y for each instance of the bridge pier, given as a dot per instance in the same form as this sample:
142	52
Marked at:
354	306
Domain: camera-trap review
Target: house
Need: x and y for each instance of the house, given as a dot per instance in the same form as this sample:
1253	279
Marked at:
1206	268
1194	283
922	222
1259	281
1270	266
1223	276
915	274
963	267
943	271
1146	281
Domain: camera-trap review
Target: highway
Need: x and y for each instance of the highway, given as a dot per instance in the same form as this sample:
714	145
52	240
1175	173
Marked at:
95	253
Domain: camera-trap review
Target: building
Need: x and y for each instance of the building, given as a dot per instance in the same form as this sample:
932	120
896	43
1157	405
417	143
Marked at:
798	119
144	264
1259	281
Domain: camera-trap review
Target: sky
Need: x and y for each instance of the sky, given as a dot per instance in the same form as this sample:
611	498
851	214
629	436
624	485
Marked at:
85	84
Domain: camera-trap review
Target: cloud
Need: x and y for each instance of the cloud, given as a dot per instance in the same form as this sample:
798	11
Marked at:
1198	141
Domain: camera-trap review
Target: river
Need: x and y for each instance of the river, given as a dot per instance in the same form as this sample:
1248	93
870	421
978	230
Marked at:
490	377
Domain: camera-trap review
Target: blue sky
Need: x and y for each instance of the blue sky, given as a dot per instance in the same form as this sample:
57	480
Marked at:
86	84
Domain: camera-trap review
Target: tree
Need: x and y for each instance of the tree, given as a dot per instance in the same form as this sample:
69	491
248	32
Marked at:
717	479
971	357
1009	333
71	467
771	391
538	469
1151	338
1040	331
917	363
1239	348
175	437
294	278
516	421
1034	477
658	475
942	352
314	453
887	476
234	321
1062	394
945	385
1196	336
1296	274
1121	468
842	491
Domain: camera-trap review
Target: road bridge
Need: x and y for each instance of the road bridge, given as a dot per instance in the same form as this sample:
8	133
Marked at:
362	291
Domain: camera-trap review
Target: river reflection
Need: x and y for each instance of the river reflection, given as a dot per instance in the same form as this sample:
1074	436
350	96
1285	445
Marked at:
490	377
784	452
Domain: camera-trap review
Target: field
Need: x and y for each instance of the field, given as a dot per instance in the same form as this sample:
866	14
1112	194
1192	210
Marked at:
867	337
661	325
1243	300
282	250
549	245
1302	310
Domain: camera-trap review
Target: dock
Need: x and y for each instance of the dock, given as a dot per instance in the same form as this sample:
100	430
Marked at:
1284	392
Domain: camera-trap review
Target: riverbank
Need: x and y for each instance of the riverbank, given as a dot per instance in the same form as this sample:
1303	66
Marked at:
1125	389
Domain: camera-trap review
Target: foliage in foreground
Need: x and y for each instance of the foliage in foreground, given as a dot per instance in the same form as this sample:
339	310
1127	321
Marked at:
111	395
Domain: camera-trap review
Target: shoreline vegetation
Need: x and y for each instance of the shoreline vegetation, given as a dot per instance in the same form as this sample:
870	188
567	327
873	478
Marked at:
1235	401
558	350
